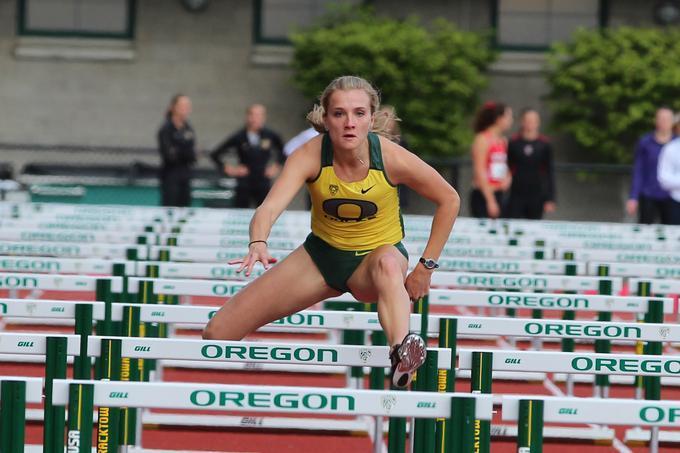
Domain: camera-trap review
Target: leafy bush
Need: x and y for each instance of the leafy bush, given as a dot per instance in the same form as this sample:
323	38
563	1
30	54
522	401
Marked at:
433	77
606	86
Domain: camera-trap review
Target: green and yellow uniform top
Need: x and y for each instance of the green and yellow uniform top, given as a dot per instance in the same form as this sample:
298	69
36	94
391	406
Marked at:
360	215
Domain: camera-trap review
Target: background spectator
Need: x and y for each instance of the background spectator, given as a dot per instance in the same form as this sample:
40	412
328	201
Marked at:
260	155
490	178
647	197
669	178
176	142
530	159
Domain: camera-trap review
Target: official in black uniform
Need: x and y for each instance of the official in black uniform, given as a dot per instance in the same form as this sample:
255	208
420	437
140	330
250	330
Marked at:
531	162
260	156
176	142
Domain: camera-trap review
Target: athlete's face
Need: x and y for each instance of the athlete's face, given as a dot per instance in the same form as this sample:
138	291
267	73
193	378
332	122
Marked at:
531	122
182	108
664	121
505	121
348	118
256	117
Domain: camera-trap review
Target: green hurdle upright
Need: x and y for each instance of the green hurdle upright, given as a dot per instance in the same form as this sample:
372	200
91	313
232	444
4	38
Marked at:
643	290
108	423
461	435
82	365
106	326
54	416
12	416
653	383
377	382
424	429
569	344
481	383
130	370
446	379
80	418
146	295
603	346
530	427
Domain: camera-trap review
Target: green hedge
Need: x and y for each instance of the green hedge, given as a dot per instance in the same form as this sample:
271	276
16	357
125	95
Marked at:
433	76
606	86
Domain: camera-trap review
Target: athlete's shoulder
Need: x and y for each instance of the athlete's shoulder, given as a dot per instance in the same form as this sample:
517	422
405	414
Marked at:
307	158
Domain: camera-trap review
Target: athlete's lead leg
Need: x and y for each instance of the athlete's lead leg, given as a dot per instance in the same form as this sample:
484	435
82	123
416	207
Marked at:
288	287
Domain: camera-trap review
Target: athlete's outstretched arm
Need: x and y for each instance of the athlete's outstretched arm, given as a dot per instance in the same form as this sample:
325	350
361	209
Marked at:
300	166
404	167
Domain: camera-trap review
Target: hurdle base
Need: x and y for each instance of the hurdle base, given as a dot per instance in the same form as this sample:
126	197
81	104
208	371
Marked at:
597	435
506	375
616	380
641	437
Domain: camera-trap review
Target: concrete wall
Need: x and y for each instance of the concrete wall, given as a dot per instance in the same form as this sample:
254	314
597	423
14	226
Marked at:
207	56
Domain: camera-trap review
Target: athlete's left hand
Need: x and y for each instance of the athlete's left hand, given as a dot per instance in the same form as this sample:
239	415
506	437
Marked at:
418	282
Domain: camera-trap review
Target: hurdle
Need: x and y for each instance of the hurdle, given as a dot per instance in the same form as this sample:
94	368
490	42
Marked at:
112	350
458	409
531	412
68	249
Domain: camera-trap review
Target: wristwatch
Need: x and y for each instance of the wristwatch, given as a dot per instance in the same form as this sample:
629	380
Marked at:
429	263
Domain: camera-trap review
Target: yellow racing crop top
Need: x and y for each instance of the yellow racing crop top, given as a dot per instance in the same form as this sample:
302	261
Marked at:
360	215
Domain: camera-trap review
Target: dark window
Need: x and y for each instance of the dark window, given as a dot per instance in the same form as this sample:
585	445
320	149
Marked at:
274	20
536	24
77	18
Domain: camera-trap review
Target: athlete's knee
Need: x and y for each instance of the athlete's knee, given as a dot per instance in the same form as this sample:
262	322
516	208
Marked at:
210	332
387	265
214	331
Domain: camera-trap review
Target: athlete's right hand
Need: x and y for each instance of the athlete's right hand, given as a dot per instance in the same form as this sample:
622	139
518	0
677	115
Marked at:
256	252
631	206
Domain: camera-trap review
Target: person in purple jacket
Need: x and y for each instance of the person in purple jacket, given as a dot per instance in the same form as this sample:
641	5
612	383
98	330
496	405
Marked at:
647	197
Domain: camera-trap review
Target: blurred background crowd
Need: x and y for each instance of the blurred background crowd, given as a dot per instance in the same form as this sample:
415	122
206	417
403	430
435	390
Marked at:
199	102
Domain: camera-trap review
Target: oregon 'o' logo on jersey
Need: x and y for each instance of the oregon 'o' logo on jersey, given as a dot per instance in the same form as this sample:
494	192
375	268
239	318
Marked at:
349	210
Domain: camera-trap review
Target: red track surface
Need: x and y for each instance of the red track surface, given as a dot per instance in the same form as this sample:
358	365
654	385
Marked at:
239	440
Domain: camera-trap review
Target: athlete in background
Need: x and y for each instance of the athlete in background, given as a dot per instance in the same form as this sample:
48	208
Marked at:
490	175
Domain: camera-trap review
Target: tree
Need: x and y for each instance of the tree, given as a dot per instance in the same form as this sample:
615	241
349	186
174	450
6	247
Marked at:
432	77
606	86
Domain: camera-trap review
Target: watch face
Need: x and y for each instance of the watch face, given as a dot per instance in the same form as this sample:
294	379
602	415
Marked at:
429	264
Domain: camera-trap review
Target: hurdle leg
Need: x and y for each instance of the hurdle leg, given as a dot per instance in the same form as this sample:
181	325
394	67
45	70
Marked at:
446	379
568	344
397	433
80	417
12	416
108	424
422	379
653	383
54	416
481	383
130	371
377	382
82	364
104	327
461	437
530	427
601	388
